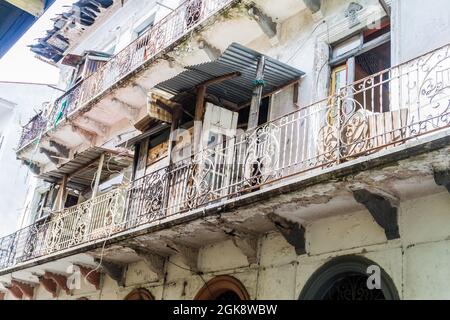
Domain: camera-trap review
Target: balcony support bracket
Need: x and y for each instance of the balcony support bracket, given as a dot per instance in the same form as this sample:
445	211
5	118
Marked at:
383	209
315	6
62	150
293	233
115	272
49	285
212	52
59	279
25	289
90	275
153	261
52	156
442	178
34	168
246	241
267	25
188	254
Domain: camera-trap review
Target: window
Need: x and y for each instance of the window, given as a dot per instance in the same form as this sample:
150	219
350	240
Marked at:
361	56
223	288
345	278
139	294
145	26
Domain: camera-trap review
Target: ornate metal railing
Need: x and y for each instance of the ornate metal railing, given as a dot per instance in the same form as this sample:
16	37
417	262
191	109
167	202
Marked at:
94	219
376	113
32	130
159	38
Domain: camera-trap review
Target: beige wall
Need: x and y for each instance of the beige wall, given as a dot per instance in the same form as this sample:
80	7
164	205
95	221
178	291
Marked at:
417	263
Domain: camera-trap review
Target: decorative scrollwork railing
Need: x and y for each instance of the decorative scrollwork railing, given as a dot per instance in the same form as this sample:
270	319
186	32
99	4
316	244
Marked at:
94	219
376	113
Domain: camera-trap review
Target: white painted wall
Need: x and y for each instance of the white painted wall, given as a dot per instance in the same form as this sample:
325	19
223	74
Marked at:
16	180
418	27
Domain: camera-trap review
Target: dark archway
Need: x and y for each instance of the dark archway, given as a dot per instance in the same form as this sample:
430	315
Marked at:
345	278
139	294
223	288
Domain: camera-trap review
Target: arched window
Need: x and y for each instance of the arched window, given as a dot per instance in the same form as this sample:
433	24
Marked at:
345	278
139	294
223	288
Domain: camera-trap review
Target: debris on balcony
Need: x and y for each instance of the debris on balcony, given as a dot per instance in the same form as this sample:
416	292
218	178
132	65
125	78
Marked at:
68	27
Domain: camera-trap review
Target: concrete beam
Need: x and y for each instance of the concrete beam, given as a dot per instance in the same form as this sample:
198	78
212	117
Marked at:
91	125
87	136
292	232
382	209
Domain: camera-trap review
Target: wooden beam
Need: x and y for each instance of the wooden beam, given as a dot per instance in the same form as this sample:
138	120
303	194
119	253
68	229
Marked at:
59	203
257	94
199	113
219	79
98	176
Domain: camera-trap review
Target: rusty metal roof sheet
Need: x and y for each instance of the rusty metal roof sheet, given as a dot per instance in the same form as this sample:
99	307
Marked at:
82	168
236	58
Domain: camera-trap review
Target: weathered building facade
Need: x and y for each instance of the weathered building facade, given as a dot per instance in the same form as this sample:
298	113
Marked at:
222	149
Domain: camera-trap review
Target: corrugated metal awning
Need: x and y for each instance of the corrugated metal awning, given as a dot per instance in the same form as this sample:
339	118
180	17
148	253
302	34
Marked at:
238	90
82	168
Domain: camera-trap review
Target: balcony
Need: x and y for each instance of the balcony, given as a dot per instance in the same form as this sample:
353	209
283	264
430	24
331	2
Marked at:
168	32
367	118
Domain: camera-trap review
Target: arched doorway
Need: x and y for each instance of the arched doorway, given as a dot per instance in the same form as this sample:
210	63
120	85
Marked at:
223	288
139	294
345	278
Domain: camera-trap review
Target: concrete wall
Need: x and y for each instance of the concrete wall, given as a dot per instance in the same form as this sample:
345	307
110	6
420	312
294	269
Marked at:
417	263
16	180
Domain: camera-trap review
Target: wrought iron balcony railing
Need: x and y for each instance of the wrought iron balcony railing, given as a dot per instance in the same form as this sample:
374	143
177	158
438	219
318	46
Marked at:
376	113
165	33
32	130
